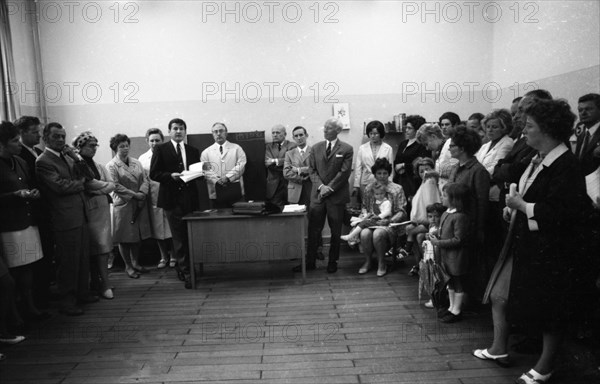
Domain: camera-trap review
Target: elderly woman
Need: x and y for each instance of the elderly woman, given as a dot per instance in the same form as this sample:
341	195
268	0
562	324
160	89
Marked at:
130	216
374	149
19	235
464	144
97	193
408	151
548	212
158	218
379	240
431	136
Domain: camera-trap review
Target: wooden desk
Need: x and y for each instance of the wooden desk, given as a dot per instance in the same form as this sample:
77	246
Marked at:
222	237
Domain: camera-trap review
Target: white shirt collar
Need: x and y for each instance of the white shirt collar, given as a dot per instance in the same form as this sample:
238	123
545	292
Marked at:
53	151
451	210
333	142
554	154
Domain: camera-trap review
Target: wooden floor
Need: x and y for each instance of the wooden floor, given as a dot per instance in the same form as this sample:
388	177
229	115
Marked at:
257	323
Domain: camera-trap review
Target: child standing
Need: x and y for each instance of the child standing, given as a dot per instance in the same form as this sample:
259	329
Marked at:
434	214
452	244
381	209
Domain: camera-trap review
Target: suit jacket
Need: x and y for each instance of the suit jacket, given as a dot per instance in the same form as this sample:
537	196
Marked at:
30	159
174	193
296	171
588	162
275	171
230	164
510	169
61	190
332	171
365	160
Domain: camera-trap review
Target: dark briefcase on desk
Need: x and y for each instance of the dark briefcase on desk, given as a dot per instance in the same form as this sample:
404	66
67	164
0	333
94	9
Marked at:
255	208
228	193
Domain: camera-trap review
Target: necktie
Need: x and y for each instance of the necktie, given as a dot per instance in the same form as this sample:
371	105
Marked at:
302	152
328	151
221	149
279	146
179	157
586	141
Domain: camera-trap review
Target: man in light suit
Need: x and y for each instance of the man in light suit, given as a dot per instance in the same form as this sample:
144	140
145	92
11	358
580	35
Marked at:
227	164
175	196
588	141
330	167
296	169
57	171
274	160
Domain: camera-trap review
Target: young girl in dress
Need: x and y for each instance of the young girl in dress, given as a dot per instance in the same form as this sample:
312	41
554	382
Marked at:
381	209
452	243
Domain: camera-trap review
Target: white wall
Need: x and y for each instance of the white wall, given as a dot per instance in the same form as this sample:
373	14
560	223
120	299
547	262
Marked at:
151	60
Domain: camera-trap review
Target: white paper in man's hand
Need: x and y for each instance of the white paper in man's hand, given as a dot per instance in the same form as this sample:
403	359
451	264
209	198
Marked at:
196	170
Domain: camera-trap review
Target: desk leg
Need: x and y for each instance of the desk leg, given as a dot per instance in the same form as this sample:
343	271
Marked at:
191	252
303	248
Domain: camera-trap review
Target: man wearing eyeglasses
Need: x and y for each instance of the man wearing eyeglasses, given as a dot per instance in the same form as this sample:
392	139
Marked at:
227	164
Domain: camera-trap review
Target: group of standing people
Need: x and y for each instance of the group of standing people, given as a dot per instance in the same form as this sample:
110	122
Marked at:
528	251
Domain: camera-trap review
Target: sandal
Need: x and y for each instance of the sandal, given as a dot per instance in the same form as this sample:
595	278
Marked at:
501	360
529	378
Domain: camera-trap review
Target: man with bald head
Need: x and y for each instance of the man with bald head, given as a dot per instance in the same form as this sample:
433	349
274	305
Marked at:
330	165
274	160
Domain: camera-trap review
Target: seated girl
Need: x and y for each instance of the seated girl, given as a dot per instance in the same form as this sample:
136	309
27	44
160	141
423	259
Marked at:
380	209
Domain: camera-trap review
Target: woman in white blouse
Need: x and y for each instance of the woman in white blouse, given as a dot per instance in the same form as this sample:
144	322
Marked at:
498	125
375	148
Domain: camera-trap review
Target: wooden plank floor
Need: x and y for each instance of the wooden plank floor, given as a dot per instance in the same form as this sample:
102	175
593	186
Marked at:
257	323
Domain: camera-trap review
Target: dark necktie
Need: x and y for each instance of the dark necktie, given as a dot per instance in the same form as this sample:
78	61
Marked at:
221	149
328	151
179	157
586	141
279	146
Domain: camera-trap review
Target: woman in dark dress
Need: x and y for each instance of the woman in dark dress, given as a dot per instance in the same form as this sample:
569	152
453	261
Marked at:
548	231
408	151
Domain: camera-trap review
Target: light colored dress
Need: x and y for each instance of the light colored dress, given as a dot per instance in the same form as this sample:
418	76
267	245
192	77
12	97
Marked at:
158	217
129	179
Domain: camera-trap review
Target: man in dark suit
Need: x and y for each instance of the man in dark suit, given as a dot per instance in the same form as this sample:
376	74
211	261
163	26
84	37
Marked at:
29	128
175	196
510	169
588	141
330	167
274	161
57	171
